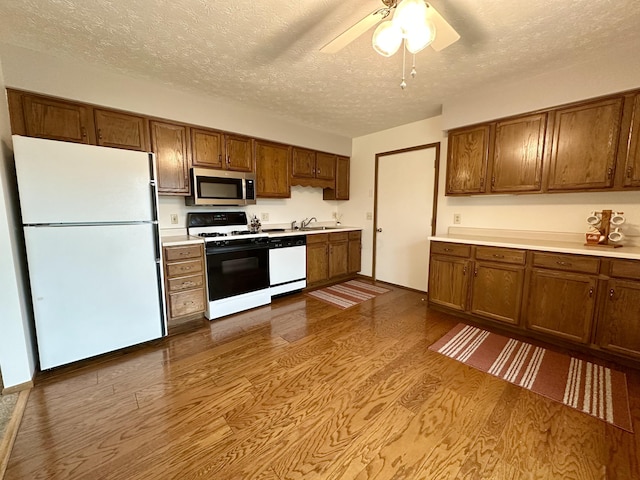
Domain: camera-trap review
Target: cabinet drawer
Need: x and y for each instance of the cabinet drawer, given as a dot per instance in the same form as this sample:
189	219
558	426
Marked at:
455	249
181	269
186	303
572	263
318	238
497	254
625	269
355	235
185	283
339	237
180	253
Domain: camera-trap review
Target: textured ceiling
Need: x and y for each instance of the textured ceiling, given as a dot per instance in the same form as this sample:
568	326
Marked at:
265	53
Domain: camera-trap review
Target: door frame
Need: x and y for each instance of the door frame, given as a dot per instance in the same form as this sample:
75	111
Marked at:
434	212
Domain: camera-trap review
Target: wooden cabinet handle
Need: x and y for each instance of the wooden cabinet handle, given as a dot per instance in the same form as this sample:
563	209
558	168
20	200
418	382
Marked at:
188	284
611	292
609	172
220	157
564	264
185	253
591	292
188	303
493	181
448	249
498	256
464	270
83	131
228	160
629	171
184	269
475	272
99	134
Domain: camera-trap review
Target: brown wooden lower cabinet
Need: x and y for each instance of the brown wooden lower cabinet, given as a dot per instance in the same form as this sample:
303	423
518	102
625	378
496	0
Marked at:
561	304
184	280
582	300
332	256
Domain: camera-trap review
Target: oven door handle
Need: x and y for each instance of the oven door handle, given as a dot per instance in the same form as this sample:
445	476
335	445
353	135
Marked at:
235	248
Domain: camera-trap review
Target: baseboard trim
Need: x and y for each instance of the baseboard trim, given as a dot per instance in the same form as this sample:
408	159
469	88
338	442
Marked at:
18	388
11	431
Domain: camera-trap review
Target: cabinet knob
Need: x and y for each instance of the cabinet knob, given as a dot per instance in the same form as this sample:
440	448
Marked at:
495	255
83	132
629	171
564	264
591	292
481	182
609	172
464	270
611	293
475	272
99	134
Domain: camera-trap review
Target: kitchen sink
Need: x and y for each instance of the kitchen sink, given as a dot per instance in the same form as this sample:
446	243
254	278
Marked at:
318	228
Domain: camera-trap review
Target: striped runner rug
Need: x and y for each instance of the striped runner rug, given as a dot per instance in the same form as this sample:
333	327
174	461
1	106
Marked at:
347	294
585	386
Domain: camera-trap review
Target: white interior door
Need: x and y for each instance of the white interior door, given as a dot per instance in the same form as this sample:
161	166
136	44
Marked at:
404	209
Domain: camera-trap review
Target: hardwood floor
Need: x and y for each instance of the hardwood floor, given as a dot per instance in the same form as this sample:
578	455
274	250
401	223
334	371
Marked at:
303	390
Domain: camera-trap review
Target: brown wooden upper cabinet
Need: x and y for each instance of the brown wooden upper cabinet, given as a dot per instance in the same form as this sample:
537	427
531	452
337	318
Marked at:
468	153
169	143
632	163
585	145
517	154
207	147
239	153
272	169
45	117
341	189
121	130
313	169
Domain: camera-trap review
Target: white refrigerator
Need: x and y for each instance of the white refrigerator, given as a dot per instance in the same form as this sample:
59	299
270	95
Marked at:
93	250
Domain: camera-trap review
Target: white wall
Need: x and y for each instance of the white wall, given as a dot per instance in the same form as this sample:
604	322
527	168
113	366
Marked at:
565	212
362	175
17	357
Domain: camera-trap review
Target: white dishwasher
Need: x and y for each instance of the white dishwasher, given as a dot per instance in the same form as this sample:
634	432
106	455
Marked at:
287	264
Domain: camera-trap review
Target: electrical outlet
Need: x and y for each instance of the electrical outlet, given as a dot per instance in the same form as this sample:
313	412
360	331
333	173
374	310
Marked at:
457	218
369	216
174	219
264	217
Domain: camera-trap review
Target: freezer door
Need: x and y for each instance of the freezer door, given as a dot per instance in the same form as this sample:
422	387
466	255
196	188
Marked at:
62	182
95	289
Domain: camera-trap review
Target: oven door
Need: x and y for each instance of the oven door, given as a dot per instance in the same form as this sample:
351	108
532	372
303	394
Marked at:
237	269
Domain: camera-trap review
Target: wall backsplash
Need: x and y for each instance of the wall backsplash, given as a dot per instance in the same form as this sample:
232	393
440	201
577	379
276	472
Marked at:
305	202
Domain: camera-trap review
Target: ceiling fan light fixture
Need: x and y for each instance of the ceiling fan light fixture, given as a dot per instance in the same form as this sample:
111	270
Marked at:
387	38
418	39
410	15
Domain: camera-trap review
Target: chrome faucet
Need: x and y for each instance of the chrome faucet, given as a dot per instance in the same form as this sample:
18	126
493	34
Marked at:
293	225
305	223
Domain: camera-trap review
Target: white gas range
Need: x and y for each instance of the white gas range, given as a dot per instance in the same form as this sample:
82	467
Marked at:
237	262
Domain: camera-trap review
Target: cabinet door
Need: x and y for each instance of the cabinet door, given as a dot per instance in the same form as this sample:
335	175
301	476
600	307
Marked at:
619	327
57	120
449	282
496	292
206	148
303	163
239	153
355	252
585	145
272	170
342	178
317	262
338	258
467	160
169	143
517	157
325	166
561	304
121	130
632	165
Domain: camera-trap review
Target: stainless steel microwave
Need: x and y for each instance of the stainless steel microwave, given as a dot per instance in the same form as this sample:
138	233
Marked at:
221	187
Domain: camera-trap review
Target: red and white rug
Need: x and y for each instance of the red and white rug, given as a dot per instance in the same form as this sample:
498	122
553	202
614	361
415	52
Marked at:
585	386
347	294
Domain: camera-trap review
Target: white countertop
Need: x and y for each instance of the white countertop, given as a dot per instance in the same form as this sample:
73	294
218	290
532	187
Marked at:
289	232
540	243
175	240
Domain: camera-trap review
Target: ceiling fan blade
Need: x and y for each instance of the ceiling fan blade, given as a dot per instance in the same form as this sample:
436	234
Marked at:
349	35
445	34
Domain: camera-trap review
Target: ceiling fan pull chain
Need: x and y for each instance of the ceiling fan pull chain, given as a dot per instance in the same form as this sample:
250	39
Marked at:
403	84
413	68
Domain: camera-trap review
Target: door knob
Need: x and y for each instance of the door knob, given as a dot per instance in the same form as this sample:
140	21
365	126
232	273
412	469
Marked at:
379	230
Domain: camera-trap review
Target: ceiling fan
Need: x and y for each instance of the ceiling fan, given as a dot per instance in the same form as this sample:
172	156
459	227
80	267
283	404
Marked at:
445	34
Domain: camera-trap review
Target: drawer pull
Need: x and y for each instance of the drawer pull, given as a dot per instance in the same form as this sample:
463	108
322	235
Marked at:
188	284
564	264
495	255
185	268
184	253
448	249
189	303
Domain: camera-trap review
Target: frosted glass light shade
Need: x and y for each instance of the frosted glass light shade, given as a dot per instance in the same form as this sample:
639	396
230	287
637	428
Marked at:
418	39
387	38
410	15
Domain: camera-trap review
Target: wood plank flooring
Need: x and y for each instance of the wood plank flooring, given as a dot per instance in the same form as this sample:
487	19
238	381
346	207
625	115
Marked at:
303	390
